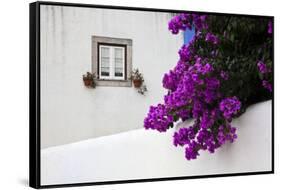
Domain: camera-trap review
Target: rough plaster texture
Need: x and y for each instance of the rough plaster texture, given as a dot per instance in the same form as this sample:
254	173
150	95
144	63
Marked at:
71	112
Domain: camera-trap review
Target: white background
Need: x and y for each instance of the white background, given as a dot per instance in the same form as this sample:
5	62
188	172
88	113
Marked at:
14	93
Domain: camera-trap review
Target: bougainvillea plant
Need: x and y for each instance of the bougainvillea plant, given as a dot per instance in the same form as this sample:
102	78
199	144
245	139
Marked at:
226	67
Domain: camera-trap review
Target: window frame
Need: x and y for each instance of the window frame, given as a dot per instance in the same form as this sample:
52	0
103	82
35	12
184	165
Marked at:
109	41
111	63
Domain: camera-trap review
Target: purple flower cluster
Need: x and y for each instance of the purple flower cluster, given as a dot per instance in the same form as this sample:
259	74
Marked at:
230	107
185	53
207	133
262	67
212	38
195	138
158	118
264	70
191	152
226	133
191	93
194	92
269	30
224	75
170	80
267	85
195	82
184	136
187	21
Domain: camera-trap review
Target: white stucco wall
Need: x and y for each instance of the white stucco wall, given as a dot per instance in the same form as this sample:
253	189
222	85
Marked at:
143	154
71	112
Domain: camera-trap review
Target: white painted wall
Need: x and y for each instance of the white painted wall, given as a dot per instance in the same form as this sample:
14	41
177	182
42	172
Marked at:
141	154
71	112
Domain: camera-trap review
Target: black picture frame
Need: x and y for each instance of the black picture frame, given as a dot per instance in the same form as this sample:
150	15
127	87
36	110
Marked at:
34	98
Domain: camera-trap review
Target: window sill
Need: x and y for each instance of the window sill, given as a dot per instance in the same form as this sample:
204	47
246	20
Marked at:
114	83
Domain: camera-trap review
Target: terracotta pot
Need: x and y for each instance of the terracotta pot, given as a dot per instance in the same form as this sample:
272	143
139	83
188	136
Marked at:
137	83
88	82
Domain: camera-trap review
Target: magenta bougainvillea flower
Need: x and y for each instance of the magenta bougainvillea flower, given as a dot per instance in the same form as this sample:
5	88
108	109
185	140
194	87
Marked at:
267	85
230	107
158	118
264	70
196	89
187	21
262	67
212	38
269	30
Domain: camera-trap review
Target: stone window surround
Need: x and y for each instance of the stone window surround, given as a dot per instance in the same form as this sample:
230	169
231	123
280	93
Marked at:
127	43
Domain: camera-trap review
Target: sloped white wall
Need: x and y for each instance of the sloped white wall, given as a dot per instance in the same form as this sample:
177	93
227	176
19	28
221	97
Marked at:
142	154
71	112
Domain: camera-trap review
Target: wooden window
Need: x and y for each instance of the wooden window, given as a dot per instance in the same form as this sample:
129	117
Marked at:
112	61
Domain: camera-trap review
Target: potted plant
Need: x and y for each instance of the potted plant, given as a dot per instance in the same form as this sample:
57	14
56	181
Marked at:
137	78
88	79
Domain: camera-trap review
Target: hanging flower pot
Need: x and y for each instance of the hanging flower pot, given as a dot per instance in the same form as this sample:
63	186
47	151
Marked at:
89	80
137	78
137	83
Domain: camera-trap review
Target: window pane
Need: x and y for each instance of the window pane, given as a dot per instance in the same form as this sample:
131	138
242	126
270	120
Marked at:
118	53
105	71
119	62
119	72
104	61
104	51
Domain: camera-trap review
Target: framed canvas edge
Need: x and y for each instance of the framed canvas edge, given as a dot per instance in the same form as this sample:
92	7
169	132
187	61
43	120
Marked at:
34	98
34	95
156	179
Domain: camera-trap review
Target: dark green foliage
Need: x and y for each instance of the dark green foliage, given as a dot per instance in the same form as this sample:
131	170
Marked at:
243	42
